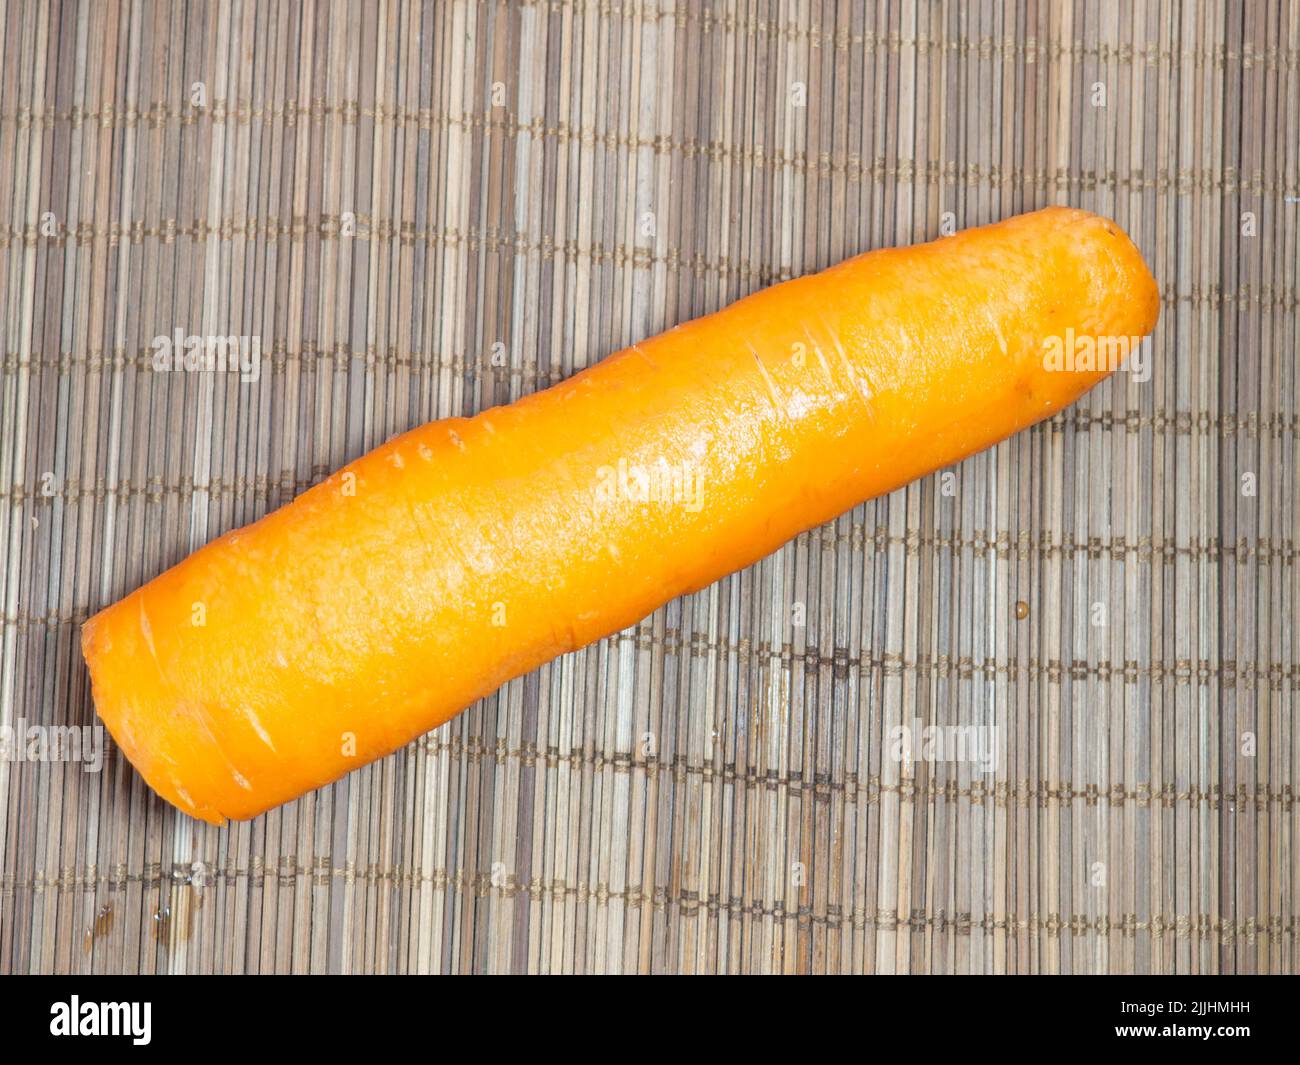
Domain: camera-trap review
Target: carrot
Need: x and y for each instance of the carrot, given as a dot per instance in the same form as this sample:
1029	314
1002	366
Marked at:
468	551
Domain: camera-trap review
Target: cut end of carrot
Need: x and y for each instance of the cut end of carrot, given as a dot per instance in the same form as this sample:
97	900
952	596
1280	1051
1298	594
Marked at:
130	715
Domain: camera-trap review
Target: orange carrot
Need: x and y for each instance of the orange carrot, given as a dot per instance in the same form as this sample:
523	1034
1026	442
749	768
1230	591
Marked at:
466	552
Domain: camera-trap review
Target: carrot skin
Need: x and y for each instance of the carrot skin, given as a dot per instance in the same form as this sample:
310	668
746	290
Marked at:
469	551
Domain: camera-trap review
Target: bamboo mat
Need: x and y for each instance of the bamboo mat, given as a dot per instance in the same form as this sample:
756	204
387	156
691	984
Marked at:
423	209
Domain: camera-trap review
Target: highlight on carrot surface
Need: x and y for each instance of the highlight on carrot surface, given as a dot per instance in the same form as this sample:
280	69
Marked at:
468	551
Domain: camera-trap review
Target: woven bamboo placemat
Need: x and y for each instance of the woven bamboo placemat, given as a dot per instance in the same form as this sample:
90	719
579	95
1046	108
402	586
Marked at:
422	209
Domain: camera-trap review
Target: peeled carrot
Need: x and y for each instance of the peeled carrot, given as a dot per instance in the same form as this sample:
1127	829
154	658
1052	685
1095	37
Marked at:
467	552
